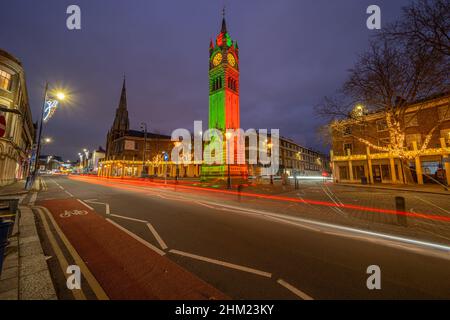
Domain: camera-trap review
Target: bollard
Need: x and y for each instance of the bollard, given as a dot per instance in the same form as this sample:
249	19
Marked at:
400	206
239	191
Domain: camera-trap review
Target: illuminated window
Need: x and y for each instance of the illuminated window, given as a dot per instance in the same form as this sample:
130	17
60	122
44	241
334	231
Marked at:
347	131
5	80
348	146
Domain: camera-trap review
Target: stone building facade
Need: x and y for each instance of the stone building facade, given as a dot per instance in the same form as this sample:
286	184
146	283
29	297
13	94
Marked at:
17	141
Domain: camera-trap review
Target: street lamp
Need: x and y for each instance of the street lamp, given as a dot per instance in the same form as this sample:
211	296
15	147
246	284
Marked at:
48	108
81	160
228	136
177	144
47	140
144	129
269	146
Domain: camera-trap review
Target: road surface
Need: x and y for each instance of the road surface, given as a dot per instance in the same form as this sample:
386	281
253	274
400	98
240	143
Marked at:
258	248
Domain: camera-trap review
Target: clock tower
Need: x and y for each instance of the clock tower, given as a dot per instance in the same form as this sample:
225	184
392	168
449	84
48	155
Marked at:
224	98
224	82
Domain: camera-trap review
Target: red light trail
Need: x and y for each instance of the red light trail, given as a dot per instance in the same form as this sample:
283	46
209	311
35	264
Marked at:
139	182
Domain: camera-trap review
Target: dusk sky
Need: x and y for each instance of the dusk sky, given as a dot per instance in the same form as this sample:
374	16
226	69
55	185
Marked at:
292	53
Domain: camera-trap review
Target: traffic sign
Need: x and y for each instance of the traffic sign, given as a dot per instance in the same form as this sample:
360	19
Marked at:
2	125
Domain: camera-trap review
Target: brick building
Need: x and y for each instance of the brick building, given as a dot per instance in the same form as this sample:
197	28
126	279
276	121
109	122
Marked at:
355	161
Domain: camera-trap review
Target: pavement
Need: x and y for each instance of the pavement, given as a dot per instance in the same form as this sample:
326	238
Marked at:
25	274
15	189
427	188
316	242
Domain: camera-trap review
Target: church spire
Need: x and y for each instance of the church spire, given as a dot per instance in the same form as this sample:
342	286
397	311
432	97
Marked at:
123	95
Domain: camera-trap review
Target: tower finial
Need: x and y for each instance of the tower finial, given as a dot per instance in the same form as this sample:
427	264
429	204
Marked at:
224	25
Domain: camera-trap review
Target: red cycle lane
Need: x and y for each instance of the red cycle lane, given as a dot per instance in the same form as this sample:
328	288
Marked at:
124	267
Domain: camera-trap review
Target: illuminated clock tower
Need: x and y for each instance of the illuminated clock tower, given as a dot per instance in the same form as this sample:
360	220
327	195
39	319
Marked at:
224	96
224	82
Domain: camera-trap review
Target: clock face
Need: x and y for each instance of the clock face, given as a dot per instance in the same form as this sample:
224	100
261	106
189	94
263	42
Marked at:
217	59
231	60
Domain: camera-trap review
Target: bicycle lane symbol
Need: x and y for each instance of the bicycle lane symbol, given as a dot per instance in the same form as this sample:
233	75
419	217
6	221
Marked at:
74	212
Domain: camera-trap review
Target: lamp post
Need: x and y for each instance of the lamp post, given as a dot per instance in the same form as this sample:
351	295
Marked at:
228	136
269	146
86	153
144	149
81	160
177	144
59	96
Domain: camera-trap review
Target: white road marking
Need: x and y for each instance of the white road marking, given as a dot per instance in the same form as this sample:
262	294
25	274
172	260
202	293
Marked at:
158	238
61	187
68	193
85	204
434	205
294	290
134	236
379	237
128	218
338	210
222	263
107	210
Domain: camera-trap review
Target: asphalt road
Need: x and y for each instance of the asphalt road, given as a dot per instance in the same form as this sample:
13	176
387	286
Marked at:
259	249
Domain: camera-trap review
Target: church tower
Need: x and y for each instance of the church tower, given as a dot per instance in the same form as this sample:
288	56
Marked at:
121	122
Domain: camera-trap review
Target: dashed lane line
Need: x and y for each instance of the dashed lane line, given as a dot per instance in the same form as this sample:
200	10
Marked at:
222	263
134	236
71	195
294	290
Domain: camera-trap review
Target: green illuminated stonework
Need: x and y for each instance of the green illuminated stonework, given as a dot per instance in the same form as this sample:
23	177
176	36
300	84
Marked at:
223	96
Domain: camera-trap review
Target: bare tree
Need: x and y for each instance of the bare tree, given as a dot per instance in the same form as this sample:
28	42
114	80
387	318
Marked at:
426	24
387	79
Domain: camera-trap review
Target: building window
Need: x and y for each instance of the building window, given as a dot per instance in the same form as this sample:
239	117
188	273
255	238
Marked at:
348	146
5	80
343	173
381	125
347	131
411	120
446	135
410	138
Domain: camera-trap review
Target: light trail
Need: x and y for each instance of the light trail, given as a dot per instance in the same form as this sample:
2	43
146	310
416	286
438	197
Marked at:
137	182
